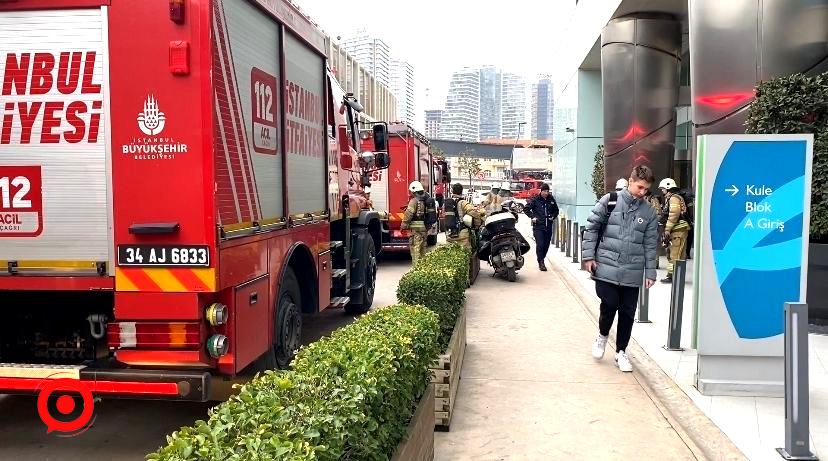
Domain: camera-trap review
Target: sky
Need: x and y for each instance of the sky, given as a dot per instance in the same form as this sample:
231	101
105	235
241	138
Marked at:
440	36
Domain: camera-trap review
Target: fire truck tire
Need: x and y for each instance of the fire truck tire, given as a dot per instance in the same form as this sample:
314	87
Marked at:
369	255
431	240
287	329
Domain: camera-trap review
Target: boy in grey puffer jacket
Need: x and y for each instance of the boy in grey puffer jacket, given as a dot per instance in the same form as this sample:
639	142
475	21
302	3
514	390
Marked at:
619	249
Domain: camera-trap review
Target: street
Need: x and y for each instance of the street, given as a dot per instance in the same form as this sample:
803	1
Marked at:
129	429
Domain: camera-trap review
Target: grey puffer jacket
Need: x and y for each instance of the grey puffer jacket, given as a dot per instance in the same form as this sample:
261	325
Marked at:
628	247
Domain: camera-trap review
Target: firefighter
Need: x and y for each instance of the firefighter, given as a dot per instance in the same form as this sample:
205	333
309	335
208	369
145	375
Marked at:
461	227
414	220
676	227
493	201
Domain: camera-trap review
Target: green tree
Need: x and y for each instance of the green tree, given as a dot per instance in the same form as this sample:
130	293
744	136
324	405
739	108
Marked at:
598	173
799	104
469	164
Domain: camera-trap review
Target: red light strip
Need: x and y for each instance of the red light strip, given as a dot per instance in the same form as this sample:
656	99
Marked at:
99	387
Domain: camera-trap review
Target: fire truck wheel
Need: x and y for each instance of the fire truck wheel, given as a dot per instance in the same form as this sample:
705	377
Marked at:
288	328
369	255
431	240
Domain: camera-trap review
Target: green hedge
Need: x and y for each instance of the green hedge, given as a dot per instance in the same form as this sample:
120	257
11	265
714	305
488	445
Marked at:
799	104
439	282
349	396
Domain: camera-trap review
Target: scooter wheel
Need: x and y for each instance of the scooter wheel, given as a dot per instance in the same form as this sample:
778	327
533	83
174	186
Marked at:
511	274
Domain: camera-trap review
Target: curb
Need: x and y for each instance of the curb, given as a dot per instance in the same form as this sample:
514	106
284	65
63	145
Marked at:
704	439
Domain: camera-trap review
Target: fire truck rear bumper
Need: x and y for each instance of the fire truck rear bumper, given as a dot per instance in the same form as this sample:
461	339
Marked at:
126	383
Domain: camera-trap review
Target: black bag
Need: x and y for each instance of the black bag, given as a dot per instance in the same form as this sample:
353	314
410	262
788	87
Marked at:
613	200
430	212
450	217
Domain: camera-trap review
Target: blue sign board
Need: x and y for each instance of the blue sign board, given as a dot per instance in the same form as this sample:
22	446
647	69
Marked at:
751	240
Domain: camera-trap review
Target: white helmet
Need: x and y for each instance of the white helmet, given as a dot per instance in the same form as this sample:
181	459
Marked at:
504	185
468	220
667	183
415	187
621	184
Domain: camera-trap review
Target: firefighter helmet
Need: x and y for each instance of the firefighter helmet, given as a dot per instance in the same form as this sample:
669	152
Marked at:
415	187
667	183
621	184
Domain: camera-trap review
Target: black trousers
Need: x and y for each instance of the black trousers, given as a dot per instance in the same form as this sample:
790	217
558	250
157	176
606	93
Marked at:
543	237
617	298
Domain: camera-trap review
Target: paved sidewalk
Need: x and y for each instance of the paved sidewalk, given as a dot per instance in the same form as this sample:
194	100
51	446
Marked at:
530	389
756	425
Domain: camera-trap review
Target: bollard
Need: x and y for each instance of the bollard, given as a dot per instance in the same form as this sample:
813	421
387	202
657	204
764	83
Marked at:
555	232
676	306
575	238
644	302
581	236
796	384
555	238
568	238
564	233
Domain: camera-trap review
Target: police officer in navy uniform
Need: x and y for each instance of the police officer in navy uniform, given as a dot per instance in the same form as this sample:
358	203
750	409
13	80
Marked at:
543	210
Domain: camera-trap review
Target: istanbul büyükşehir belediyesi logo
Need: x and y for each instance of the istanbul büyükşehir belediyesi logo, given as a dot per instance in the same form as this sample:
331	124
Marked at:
151	121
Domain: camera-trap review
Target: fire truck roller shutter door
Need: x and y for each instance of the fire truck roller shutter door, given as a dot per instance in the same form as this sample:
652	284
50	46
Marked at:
249	110
305	130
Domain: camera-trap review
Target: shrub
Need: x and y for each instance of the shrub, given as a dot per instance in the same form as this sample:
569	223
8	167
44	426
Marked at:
798	104
438	281
599	179
349	396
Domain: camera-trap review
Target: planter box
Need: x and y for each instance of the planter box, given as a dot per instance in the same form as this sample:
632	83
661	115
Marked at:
418	443
446	374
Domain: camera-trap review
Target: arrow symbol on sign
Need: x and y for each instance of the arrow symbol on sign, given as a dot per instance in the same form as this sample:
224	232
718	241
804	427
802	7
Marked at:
733	190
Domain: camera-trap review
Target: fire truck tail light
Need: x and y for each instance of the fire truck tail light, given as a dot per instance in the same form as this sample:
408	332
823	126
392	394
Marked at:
177	11
168	335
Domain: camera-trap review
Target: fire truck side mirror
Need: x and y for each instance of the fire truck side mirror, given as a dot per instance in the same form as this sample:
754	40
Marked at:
446	173
382	160
345	160
380	137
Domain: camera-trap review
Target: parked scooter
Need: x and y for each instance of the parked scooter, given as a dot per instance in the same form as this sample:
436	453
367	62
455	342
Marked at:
502	245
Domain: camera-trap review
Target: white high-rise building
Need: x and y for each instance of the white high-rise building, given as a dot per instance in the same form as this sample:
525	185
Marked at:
433	121
543	108
513	107
402	85
371	53
461	121
491	102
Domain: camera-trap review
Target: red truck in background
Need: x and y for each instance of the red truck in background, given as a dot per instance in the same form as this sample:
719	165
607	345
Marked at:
525	188
173	201
411	160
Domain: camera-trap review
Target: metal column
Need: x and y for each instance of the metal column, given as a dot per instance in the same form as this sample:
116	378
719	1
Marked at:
797	444
575	238
644	302
568	241
676	306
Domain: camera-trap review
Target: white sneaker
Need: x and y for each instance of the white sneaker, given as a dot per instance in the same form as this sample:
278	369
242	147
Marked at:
598	347
623	362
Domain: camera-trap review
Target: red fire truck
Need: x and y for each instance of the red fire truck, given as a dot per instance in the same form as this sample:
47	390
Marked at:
411	160
179	185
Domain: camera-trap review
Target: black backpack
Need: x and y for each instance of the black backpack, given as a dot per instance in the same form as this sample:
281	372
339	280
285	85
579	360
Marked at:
689	214
613	200
430	212
450	217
